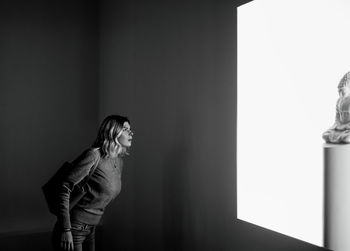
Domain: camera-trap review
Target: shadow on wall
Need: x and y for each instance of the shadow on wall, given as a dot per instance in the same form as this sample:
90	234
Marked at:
176	194
173	197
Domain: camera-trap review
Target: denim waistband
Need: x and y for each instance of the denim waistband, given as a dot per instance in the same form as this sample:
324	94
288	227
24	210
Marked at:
81	226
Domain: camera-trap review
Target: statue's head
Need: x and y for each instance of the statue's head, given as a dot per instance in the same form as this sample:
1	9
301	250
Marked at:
344	85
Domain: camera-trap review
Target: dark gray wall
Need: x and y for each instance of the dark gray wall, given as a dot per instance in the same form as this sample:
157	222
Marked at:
171	67
48	100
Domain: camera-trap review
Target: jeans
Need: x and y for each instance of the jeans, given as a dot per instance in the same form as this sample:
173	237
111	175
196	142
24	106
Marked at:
83	236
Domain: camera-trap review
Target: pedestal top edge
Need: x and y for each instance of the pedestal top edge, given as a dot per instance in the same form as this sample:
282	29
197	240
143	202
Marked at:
329	145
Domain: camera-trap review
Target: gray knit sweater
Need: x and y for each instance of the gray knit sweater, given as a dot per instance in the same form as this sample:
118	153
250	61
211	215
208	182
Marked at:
103	186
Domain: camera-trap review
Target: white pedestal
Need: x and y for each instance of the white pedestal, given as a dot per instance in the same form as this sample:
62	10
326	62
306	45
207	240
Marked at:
337	196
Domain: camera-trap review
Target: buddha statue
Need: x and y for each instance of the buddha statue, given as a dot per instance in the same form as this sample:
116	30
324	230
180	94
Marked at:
339	133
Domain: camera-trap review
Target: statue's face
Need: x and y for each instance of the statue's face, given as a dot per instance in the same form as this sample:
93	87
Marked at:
344	91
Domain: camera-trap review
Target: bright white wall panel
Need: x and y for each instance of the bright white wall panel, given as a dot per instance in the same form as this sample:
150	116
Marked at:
291	57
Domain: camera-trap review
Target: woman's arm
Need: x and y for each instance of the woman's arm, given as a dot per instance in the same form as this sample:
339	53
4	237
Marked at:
81	168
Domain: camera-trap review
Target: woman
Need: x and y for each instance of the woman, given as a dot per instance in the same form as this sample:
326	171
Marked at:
75	228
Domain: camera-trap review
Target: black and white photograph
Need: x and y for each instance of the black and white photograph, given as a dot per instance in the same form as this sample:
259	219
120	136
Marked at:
174	125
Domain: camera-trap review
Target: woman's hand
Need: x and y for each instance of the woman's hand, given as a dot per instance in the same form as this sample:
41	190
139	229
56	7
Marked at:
67	241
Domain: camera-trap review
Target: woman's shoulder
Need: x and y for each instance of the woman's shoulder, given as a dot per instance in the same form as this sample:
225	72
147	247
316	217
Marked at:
88	155
94	153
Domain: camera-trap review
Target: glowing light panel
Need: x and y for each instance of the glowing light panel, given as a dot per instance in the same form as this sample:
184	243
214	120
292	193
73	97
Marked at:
291	57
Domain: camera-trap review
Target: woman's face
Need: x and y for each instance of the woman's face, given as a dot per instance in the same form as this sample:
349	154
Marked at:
126	137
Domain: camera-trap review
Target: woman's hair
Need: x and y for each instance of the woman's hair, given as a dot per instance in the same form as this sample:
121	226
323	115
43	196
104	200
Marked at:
107	137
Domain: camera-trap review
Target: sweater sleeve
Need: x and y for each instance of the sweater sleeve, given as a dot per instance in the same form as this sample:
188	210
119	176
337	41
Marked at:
81	168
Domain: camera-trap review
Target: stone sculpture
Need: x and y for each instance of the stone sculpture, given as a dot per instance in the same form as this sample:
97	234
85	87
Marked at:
339	133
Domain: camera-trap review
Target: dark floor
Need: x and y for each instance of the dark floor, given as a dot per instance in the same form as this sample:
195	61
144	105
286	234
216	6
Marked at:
40	241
